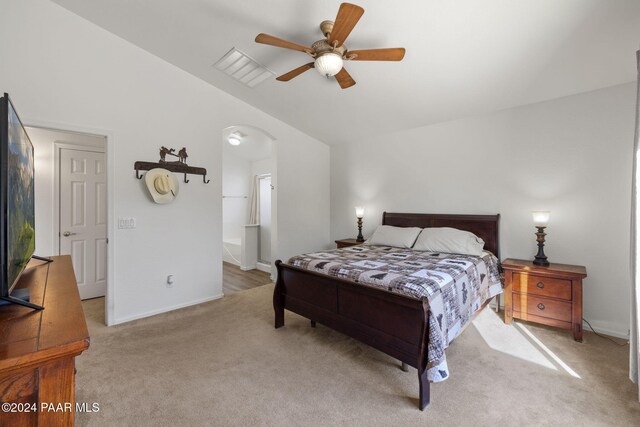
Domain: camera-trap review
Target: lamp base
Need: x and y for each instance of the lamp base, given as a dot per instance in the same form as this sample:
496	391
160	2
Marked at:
540	258
360	237
541	261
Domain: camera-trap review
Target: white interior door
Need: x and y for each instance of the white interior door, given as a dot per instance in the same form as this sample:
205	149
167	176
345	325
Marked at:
265	219
83	218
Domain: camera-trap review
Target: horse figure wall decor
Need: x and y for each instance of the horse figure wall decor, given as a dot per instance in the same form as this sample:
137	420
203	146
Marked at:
182	155
178	166
164	151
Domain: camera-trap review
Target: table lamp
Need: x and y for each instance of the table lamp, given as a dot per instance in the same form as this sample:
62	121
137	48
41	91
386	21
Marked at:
359	215
540	221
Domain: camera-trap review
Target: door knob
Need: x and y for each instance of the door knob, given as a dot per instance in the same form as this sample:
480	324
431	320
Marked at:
68	233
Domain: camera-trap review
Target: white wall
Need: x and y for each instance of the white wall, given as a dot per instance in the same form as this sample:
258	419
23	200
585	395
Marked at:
61	69
571	156
236	191
302	174
261	167
237	177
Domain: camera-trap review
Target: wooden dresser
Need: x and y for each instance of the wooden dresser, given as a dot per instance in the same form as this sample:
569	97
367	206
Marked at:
549	295
345	243
38	348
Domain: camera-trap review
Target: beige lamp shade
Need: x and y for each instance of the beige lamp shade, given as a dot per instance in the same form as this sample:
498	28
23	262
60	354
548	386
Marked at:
540	218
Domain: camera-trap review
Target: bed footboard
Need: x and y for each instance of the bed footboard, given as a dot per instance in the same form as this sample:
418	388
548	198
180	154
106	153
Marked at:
391	323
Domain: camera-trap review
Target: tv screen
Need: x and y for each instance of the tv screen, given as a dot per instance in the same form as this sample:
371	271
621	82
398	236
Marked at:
17	216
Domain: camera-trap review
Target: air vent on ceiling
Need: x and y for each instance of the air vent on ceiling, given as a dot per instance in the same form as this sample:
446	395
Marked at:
243	68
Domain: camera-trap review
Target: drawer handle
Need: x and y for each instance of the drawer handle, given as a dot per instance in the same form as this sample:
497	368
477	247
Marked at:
540	285
540	306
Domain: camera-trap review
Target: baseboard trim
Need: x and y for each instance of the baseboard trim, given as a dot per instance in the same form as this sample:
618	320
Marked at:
264	267
165	310
604	330
230	261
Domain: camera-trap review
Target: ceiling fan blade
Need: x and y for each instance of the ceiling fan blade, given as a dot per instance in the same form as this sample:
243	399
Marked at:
344	79
274	41
347	18
390	54
295	73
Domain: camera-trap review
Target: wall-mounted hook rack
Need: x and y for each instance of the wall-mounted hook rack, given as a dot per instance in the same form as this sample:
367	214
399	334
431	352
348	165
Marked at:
172	167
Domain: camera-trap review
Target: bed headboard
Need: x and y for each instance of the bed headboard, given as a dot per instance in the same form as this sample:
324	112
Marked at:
487	227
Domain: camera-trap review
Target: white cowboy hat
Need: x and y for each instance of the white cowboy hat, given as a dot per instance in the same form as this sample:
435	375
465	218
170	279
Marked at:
162	184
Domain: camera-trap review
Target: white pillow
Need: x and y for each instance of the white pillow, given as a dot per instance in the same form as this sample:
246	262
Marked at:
449	240
388	235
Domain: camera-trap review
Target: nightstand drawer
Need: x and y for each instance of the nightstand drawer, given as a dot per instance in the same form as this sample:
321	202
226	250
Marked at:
541	306
541	285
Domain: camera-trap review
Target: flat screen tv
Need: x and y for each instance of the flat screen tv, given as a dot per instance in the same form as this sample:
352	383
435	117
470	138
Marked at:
17	202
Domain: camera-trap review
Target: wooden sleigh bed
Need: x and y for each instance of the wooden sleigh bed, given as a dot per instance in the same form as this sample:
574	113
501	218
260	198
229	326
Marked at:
392	323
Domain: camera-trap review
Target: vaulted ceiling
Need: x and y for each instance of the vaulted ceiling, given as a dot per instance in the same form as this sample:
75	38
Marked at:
464	57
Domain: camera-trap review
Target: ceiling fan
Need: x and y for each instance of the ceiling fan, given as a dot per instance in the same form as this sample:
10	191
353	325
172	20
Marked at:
330	52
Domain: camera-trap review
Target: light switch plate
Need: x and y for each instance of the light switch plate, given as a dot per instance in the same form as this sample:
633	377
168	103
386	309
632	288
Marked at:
126	222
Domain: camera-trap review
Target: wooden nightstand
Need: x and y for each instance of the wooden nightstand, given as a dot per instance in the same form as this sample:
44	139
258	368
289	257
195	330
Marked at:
345	243
549	295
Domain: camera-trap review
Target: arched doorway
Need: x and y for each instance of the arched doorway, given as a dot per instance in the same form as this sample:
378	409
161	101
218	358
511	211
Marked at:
248	214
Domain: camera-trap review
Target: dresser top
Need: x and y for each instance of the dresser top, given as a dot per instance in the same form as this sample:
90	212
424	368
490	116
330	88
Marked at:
551	269
28	336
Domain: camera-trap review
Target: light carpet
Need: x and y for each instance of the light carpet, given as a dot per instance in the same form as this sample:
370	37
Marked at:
223	363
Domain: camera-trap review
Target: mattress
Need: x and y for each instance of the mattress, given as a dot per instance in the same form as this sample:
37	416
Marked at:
455	285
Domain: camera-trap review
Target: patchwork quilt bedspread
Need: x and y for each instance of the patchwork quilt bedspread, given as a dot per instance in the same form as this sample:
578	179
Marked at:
455	285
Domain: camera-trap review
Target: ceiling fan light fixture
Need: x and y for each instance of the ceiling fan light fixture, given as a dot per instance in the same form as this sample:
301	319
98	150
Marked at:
329	64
